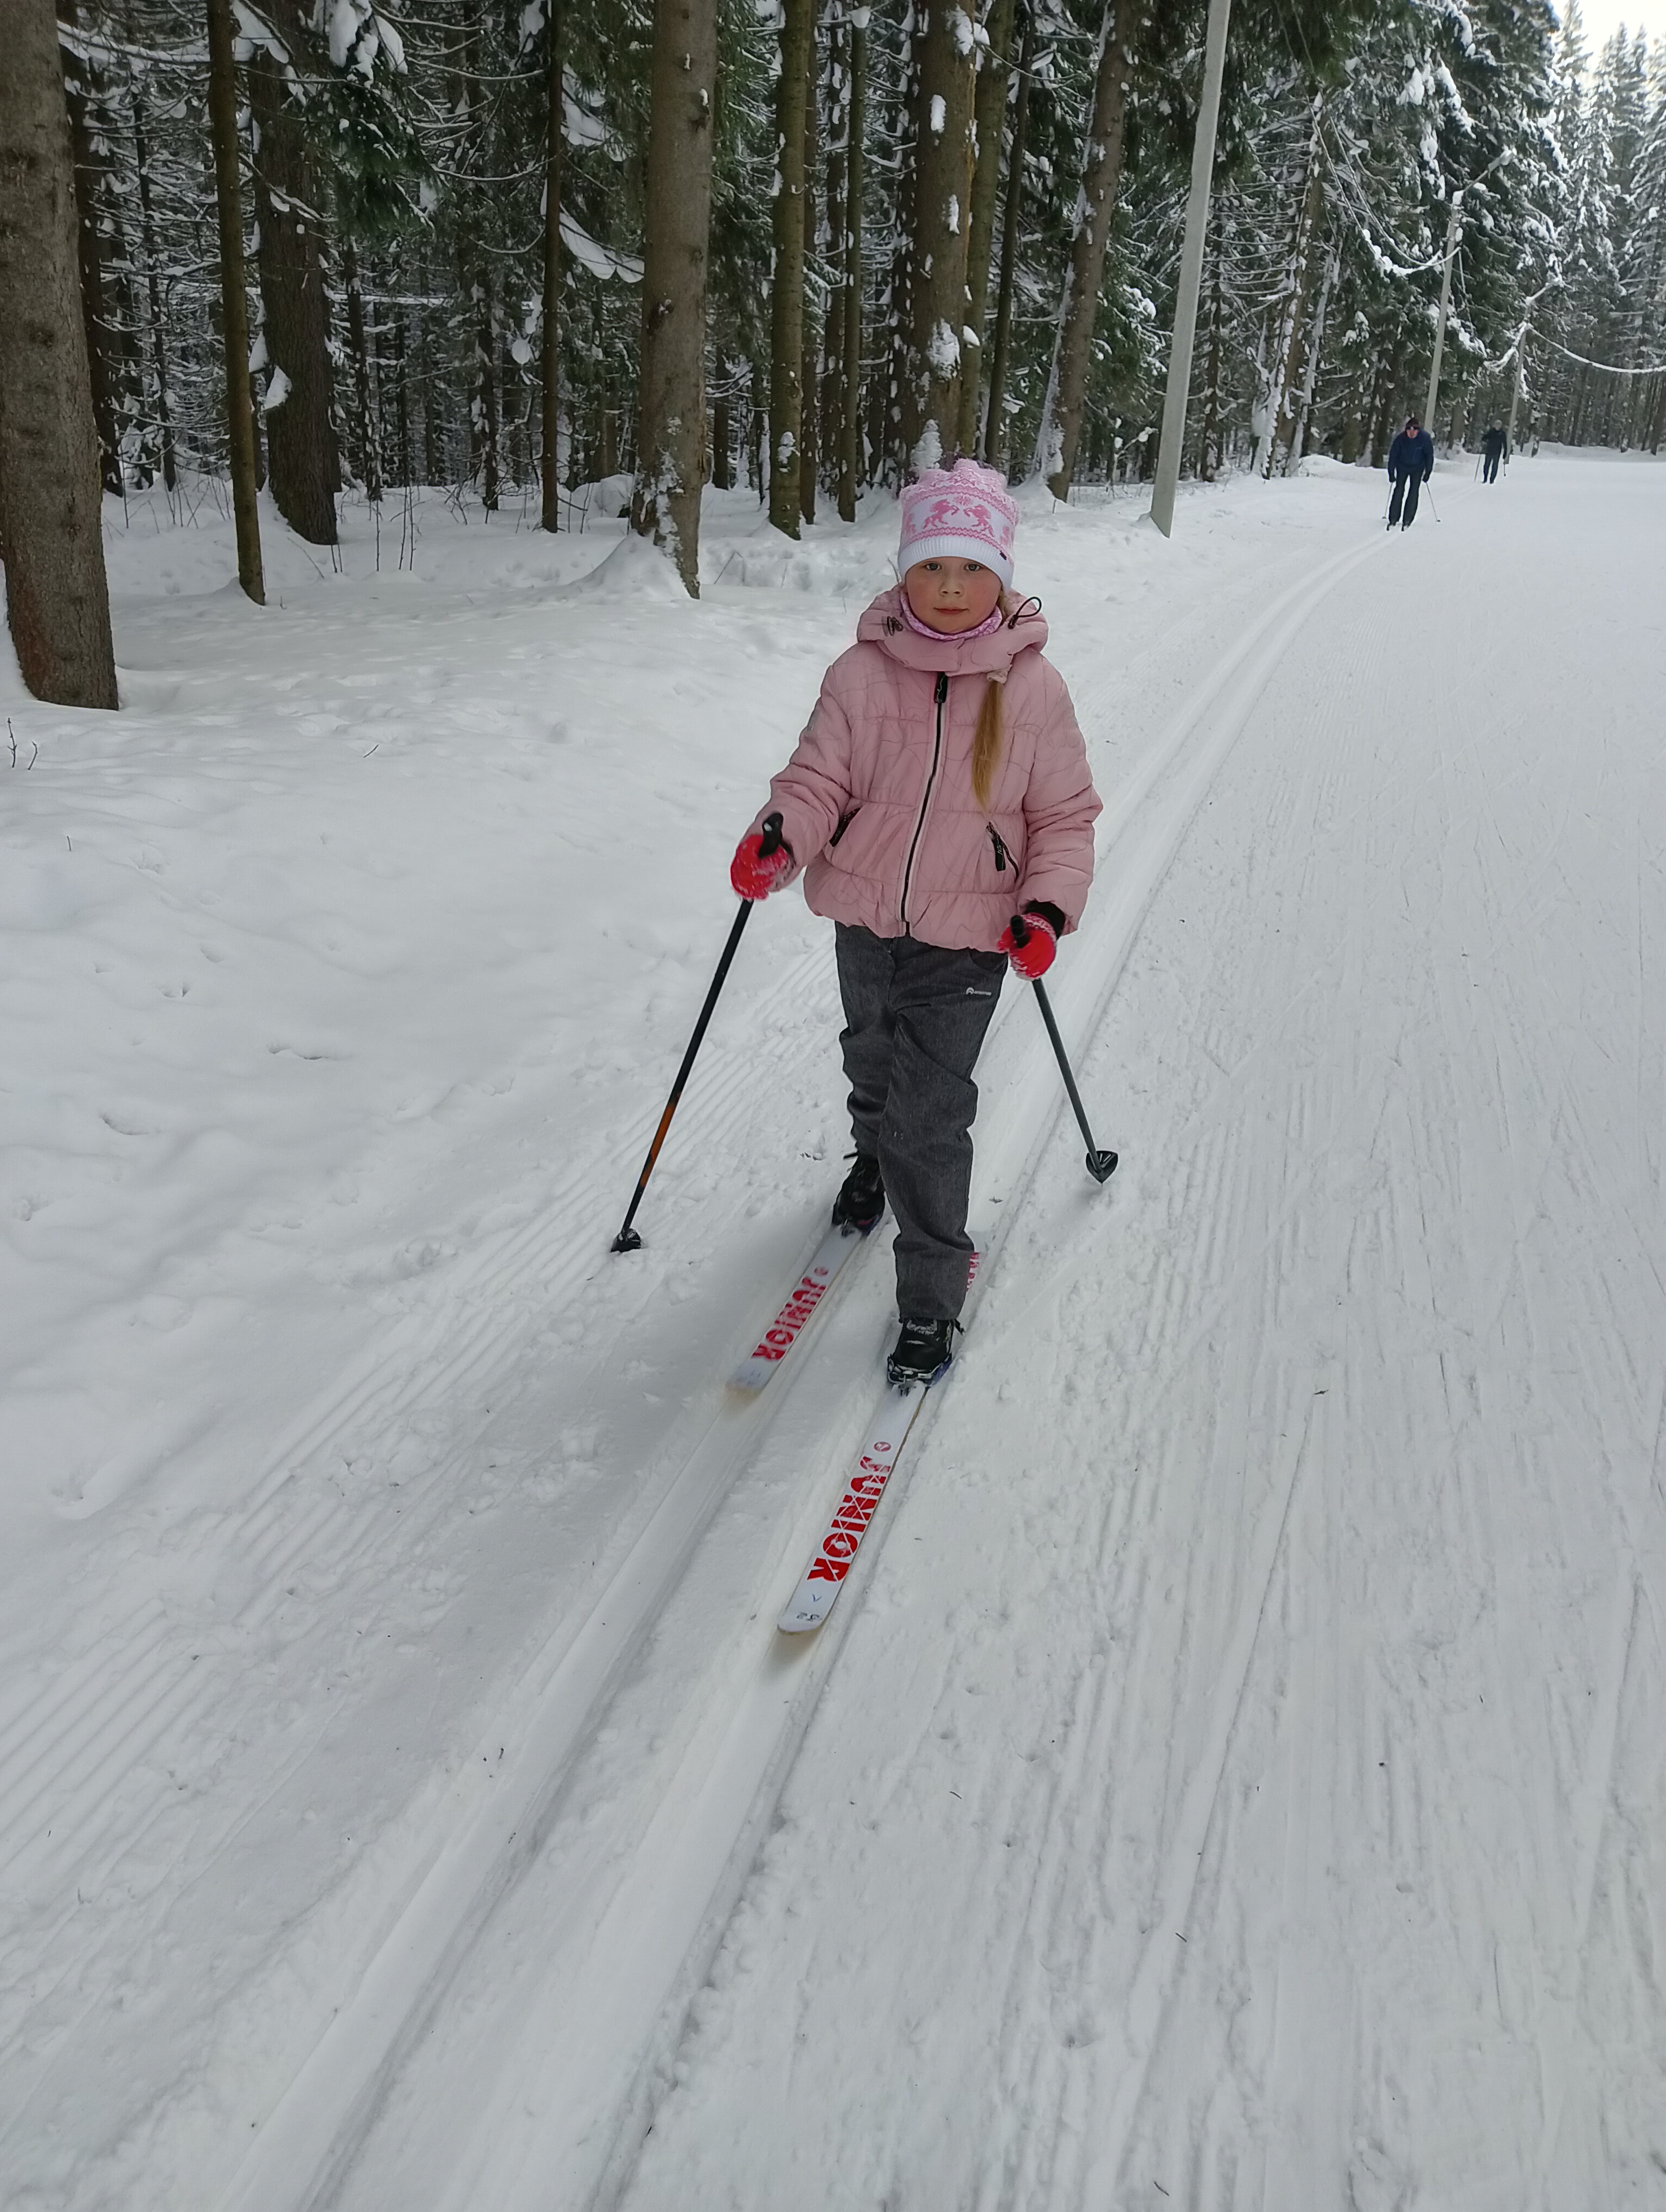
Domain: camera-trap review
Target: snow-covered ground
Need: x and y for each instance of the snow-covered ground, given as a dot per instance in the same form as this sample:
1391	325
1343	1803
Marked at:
1234	1778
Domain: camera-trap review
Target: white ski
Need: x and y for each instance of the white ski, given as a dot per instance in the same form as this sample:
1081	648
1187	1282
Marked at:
812	1601
822	1580
805	1294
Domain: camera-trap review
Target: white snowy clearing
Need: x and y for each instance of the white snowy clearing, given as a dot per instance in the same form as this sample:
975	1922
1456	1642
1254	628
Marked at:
1234	1776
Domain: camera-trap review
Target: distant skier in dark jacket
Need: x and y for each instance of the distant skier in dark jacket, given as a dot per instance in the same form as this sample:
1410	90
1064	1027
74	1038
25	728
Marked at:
1411	464
1494	446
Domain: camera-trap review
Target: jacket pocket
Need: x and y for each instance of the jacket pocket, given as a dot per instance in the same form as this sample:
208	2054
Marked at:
845	821
1003	858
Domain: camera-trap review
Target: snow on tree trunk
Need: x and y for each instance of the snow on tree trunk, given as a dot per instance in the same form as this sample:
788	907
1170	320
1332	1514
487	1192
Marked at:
483	410
89	167
1291	352
152	286
903	132
58	600
671	445
996	440
300	443
810	343
831	404
850	427
548	366
1078	309
990	111
234	298
364	410
787	294
942	221
1311	372
1209	446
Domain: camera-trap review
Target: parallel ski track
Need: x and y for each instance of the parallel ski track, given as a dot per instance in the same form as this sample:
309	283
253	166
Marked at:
90	1760
721	1802
140	1685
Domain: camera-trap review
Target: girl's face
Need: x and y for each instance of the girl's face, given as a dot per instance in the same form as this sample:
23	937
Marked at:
952	595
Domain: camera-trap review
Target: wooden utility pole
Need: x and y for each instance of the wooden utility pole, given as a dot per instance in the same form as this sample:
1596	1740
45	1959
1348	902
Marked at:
234	297
671	437
51	521
787	291
1191	272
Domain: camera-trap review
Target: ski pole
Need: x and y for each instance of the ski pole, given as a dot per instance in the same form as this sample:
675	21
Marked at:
628	1240
1430	496
1101	1165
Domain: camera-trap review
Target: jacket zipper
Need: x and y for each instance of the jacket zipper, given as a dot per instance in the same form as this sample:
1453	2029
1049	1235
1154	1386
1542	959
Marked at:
942	693
1000	849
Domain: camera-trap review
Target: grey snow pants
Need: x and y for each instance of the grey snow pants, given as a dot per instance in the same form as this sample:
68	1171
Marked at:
915	1016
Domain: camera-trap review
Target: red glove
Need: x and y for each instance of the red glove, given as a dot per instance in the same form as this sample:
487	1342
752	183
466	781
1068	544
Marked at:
1034	956
755	873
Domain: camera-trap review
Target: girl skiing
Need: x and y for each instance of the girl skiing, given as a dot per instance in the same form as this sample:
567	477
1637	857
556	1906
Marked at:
940	787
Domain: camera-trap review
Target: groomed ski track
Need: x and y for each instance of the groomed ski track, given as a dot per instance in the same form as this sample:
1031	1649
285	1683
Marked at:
1232	1776
552	1950
1277	1823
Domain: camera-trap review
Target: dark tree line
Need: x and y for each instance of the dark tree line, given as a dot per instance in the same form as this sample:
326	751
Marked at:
583	253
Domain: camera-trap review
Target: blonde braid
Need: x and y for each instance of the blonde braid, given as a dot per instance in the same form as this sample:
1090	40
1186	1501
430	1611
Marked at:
986	739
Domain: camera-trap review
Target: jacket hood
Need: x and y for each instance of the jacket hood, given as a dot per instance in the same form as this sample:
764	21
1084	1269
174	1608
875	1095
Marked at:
886	625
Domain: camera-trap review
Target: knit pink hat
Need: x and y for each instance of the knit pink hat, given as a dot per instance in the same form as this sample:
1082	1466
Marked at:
961	513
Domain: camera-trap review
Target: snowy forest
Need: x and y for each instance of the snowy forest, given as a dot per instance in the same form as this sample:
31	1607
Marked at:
467	439
435	275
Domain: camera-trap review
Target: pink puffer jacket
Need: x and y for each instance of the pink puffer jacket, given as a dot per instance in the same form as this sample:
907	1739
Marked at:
877	797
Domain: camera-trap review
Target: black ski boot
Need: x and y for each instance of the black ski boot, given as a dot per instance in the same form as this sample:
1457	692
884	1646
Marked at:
861	1199
924	1350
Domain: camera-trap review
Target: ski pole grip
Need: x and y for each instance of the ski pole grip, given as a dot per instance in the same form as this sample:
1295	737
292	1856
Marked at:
773	840
1020	929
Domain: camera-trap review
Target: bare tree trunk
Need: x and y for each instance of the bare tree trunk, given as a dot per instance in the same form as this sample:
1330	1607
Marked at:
153	289
850	427
995	441
787	293
942	217
810	344
433	454
1311	371
1293	336
991	117
300	443
484	407
550	361
830	406
1394	384
1079	311
403	454
234	298
88	172
369	442
722	463
1208	449
888	424
757	431
52	544
670	439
